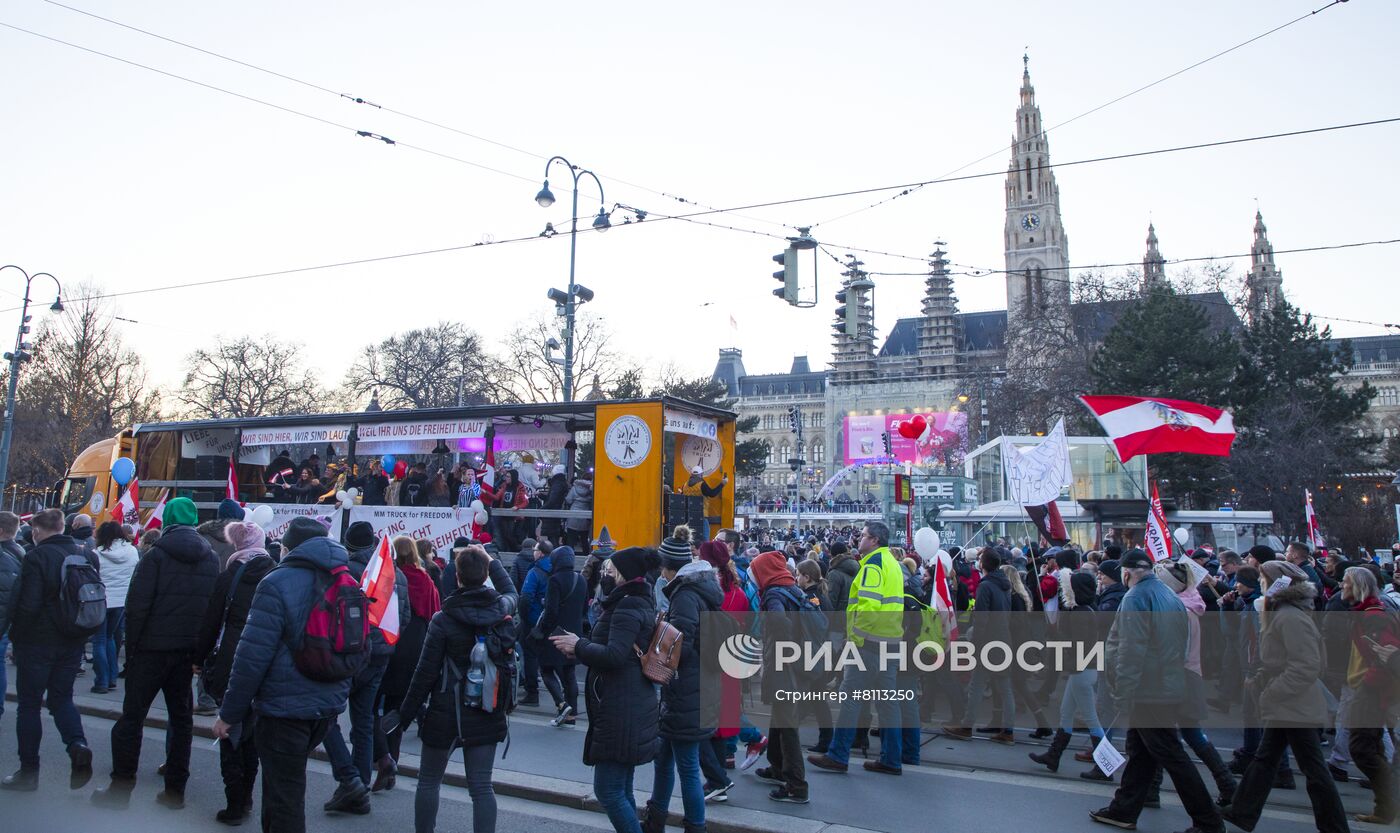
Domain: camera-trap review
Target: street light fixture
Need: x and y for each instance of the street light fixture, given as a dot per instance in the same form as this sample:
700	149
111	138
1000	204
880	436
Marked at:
18	357
572	297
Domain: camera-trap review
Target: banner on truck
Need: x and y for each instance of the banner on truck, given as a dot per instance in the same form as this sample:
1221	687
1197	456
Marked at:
442	526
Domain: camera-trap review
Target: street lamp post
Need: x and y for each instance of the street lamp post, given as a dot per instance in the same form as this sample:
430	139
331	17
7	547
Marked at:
18	357
572	298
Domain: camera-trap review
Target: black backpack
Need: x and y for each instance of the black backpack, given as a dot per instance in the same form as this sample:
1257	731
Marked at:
500	650
82	597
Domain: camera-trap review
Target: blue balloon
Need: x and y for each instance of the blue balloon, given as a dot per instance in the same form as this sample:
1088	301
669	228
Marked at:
388	461
123	470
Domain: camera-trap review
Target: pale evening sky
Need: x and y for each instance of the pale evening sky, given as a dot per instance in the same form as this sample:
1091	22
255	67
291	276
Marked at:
132	180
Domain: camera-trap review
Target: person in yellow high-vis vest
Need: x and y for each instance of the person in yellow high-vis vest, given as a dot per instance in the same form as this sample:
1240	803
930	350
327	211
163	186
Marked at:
874	616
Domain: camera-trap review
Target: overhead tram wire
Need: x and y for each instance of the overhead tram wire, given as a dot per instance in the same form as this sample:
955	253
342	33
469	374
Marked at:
360	100
1012	147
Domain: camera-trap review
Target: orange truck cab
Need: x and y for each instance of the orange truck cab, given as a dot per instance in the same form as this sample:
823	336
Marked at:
88	487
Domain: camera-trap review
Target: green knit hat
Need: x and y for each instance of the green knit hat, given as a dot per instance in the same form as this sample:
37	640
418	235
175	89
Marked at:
180	512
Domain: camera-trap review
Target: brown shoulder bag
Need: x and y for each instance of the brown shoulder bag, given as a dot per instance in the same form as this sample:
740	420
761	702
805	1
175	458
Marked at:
662	658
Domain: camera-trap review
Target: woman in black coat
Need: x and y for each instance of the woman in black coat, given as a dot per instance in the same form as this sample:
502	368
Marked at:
623	709
474	610
565	598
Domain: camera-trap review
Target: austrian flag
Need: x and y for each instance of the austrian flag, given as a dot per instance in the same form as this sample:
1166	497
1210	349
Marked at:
1145	425
378	585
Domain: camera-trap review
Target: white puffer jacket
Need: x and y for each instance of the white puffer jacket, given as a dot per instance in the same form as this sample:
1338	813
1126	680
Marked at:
118	563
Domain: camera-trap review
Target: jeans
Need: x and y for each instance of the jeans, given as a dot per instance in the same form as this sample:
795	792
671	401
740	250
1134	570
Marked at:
147	674
562	683
1258	779
284	744
999	684
105	647
4	680
612	786
1078	703
910	737
41	669
432	764
856	681
363	690
1148	749
679	756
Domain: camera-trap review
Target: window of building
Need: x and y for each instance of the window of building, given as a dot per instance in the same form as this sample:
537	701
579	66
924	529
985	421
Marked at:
816	453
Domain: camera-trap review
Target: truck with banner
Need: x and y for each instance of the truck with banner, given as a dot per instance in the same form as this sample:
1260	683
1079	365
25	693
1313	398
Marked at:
635	452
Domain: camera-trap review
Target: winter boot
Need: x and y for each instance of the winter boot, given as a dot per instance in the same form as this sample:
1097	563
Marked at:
1096	774
1224	781
1050	758
653	818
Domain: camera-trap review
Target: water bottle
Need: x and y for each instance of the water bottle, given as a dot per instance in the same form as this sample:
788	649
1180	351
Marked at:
476	673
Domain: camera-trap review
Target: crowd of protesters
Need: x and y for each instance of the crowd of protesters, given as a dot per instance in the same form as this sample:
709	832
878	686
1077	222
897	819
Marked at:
222	601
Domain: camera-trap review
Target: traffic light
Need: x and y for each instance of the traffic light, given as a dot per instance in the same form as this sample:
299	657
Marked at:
889	449
787	258
848	314
794	417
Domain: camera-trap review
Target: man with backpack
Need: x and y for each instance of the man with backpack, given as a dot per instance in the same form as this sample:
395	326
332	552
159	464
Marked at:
165	605
287	669
11	560
48	640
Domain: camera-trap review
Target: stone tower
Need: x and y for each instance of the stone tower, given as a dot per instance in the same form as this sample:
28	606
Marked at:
938	330
1037	251
853	356
1154	272
1265	281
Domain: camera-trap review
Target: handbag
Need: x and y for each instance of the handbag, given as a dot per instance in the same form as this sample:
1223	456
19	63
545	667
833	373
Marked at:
662	658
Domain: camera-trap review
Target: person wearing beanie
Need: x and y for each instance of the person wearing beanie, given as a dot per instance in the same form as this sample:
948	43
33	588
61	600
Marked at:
675	553
293	712
229	510
219	635
592	573
165	606
299	531
623	709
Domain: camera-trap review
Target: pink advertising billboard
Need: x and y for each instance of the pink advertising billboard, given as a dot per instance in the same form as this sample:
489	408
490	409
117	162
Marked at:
942	440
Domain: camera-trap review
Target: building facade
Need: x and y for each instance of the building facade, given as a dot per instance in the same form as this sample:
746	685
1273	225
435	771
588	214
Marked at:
944	360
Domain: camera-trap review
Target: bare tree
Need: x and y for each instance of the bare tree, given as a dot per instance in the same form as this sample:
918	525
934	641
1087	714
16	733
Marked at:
248	377
428	368
532	377
82	386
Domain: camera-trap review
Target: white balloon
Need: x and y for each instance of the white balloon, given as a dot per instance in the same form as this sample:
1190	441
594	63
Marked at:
479	516
262	516
947	561
352	493
1182	536
926	543
341	495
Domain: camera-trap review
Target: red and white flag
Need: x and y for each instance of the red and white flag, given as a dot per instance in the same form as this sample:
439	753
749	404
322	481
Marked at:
1158	540
1146	425
158	514
233	480
1314	531
128	505
943	600
378	585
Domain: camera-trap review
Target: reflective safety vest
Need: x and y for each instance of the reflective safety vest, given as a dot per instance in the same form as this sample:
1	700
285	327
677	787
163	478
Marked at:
876	608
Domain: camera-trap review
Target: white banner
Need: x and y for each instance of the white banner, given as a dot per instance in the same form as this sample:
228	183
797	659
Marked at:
220	442
432	430
442	526
529	438
284	513
296	435
680	422
1035	476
